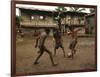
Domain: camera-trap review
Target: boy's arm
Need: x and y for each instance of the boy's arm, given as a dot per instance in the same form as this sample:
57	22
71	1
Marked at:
69	33
37	41
77	30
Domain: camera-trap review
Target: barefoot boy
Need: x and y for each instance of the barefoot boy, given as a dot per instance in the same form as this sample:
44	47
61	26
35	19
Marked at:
58	41
74	37
40	43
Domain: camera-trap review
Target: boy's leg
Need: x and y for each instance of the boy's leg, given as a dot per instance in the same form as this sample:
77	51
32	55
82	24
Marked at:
56	47
50	55
72	51
55	51
73	48
38	57
74	45
63	50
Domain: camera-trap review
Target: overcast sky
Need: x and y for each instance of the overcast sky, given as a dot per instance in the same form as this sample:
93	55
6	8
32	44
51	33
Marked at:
41	7
92	2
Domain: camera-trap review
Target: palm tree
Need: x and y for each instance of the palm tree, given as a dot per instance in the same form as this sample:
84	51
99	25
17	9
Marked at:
18	19
76	10
92	10
60	10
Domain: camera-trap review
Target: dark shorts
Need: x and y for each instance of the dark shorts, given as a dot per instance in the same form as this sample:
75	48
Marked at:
43	49
73	44
58	44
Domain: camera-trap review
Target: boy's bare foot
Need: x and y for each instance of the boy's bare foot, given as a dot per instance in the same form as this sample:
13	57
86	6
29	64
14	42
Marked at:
54	55
36	63
55	64
38	51
74	51
71	56
64	56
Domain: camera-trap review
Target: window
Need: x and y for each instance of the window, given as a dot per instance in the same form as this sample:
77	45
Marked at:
32	17
42	17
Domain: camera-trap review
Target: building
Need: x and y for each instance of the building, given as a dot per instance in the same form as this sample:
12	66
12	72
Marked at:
39	18
36	18
90	23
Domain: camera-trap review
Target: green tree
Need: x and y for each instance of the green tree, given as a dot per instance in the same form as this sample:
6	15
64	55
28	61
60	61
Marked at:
18	21
18	26
60	10
92	10
76	10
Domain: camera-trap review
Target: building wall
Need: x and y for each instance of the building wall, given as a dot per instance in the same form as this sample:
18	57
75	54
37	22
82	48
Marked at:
36	20
25	17
73	21
90	24
30	19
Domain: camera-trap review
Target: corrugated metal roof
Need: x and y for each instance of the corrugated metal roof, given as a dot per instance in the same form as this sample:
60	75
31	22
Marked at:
39	9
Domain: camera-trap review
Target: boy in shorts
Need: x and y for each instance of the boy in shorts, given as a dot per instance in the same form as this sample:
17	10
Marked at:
73	43
40	43
58	41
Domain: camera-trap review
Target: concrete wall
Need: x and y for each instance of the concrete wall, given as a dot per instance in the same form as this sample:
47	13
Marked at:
90	24
34	19
74	20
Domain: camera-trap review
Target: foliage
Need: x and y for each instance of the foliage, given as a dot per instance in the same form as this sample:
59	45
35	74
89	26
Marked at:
76	9
60	10
92	10
17	19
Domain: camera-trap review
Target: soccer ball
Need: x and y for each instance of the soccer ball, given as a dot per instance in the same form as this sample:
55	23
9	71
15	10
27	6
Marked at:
69	54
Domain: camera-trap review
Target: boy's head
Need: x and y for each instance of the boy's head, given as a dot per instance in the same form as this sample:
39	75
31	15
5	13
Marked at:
71	28
55	29
47	30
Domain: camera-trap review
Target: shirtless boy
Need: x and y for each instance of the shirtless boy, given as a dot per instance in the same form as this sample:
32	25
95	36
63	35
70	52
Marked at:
40	43
73	43
58	41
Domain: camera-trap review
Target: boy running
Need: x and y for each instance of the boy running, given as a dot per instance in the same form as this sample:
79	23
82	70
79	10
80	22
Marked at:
40	43
74	37
58	41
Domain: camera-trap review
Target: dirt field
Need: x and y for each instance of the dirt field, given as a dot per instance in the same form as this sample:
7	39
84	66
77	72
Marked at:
26	53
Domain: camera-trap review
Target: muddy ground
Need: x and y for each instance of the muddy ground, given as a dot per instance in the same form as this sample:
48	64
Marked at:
26	53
